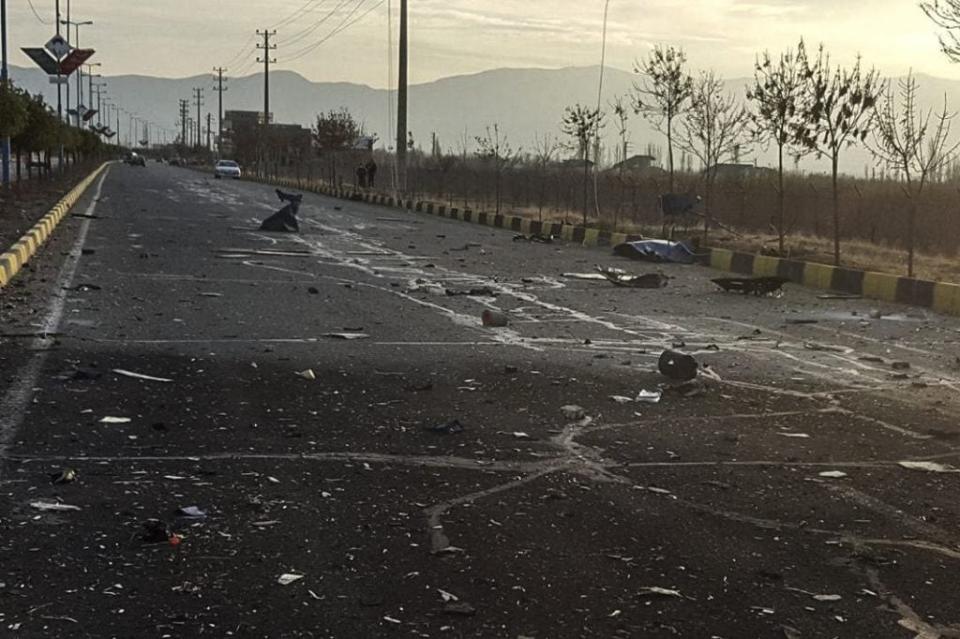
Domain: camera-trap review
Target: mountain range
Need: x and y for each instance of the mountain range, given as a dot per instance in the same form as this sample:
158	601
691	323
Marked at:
524	103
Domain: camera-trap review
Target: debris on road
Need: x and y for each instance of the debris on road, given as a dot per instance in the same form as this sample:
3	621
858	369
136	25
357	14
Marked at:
308	374
759	286
538	238
313	290
494	319
346	336
447	596
839	296
192	512
930	467
826	348
900	366
54	507
284	220
573	412
449	428
484	291
156	532
288	578
656	591
584	276
620	399
147	378
619	277
678	366
81	373
115	420
657	251
460	609
795	435
833	474
65	476
649	397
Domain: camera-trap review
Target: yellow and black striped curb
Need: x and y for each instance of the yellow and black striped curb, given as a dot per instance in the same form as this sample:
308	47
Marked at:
27	246
939	296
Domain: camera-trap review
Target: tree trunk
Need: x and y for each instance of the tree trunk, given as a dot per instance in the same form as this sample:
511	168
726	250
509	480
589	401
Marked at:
911	229
670	149
836	212
780	199
586	179
708	190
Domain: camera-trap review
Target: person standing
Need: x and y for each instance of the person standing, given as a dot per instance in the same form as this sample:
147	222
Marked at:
371	173
362	176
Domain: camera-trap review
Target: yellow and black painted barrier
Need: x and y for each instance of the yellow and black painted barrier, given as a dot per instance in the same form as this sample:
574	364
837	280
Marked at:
27	246
939	296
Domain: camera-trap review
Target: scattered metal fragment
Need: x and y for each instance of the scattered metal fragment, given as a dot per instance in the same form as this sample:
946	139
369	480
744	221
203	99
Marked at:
833	474
115	420
677	366
656	591
584	276
284	220
900	366
65	476
930	467
448	428
192	512
133	375
657	251
288	578
57	507
621	278
649	397
308	374
573	412
758	286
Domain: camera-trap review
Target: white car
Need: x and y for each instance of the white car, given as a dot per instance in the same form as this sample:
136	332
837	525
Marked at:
227	168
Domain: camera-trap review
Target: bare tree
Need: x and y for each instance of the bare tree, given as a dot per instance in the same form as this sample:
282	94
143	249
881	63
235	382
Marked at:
946	15
622	115
837	112
494	148
913	143
713	130
777	91
545	149
664	92
580	123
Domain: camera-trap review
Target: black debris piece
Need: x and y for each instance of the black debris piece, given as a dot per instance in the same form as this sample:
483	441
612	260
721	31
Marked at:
284	220
758	286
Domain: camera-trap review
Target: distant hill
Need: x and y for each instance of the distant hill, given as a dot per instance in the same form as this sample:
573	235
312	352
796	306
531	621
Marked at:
524	102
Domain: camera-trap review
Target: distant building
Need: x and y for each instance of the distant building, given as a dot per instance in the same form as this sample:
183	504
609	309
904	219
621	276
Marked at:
734	171
636	163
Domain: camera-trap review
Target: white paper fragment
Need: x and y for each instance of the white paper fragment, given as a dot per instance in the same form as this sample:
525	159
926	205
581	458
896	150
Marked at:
148	378
115	420
288	578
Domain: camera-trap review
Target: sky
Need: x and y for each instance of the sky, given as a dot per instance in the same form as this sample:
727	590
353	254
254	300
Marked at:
180	38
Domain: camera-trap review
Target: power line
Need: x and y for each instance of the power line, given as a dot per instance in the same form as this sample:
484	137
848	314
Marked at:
305	33
37	15
337	30
296	14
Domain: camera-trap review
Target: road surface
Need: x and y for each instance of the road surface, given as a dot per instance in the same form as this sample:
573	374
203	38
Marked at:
803	489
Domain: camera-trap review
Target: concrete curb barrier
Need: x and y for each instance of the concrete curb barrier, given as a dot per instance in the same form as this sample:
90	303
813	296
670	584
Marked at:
14	259
942	297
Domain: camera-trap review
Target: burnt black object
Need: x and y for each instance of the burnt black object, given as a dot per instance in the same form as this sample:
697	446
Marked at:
284	220
678	366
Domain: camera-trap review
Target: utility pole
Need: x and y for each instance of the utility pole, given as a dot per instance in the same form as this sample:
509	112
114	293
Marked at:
220	89
402	101
198	96
267	48
5	143
59	98
209	128
184	105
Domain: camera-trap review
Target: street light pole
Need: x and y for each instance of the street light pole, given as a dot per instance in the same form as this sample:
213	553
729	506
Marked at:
4	86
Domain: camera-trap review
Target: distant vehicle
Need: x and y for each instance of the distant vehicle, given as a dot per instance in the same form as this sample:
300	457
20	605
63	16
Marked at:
135	159
227	168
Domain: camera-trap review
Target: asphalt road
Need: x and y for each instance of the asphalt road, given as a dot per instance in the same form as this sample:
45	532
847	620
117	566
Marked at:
770	502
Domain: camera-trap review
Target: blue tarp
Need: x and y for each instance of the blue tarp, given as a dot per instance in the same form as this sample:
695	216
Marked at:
657	251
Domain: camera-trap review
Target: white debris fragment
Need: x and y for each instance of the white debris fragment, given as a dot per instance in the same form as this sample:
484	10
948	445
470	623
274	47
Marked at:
649	397
795	435
115	420
47	506
620	399
930	467
288	578
659	592
447	596
133	375
833	474
307	374
573	412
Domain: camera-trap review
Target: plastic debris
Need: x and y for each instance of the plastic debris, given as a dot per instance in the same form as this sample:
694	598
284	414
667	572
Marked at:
284	220
833	474
678	366
619	277
656	591
930	467
649	397
449	428
308	374
66	476
133	375
115	420
192	512
288	578
494	319
657	251
573	412
758	286
53	507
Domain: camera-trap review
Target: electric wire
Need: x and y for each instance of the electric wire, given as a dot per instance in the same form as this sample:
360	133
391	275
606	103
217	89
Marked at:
343	26
37	15
305	33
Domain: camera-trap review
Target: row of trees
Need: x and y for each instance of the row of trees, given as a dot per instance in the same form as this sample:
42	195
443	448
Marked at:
799	103
35	130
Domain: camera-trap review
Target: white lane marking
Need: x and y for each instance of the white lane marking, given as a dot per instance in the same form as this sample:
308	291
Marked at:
14	403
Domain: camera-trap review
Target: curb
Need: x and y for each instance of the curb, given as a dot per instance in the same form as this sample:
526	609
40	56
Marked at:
14	259
941	297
